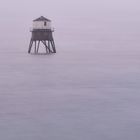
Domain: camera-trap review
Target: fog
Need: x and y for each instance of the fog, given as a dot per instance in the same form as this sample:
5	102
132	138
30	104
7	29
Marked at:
16	15
89	89
27	9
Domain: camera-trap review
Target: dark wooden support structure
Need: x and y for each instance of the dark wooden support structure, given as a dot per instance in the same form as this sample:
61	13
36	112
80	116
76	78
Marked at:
42	36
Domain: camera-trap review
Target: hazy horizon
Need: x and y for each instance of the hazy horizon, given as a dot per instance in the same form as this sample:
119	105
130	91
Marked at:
16	16
89	89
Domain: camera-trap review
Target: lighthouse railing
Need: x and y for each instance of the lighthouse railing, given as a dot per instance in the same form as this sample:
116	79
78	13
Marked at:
33	29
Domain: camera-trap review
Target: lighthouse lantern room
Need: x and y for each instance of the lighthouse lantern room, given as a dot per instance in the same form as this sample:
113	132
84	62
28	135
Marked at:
42	32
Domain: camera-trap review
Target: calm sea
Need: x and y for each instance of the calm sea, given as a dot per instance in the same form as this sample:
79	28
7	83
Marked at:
88	90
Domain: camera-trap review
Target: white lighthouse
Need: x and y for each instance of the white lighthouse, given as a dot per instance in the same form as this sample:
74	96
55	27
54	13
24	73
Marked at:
42	23
42	33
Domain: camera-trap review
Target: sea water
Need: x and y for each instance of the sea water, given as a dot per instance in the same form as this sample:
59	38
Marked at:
88	90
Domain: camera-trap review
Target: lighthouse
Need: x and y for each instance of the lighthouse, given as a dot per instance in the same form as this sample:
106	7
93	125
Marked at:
42	32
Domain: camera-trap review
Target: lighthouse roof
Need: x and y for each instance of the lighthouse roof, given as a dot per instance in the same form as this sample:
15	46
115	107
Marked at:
42	19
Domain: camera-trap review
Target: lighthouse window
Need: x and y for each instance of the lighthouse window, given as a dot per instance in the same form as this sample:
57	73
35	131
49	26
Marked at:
45	23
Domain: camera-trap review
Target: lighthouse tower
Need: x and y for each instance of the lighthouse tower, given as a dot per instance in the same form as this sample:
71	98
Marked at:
42	33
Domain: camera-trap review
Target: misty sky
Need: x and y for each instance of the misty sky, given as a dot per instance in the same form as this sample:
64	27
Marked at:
17	15
61	8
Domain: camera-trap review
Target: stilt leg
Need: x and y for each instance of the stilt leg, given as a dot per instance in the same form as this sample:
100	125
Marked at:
38	46
35	48
46	47
53	46
49	46
30	46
